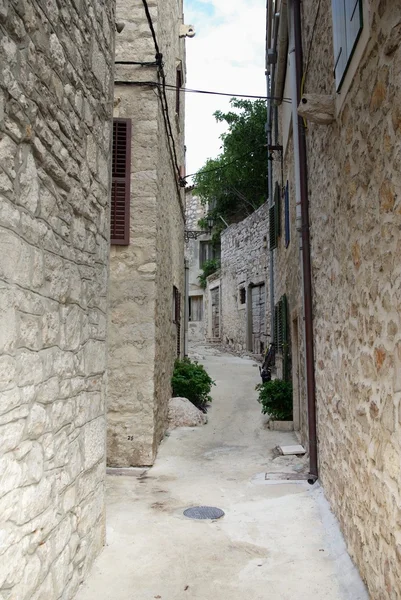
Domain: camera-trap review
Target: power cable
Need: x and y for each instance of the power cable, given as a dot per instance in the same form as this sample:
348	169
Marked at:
201	171
165	109
152	29
136	63
177	184
189	90
169	86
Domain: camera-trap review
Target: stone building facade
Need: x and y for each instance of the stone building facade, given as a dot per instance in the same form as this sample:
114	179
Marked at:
213	307
196	250
56	64
354	182
147	274
244	278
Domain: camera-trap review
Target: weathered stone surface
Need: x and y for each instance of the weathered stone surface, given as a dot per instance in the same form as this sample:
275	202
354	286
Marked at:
182	413
195	210
143	337
53	289
244	266
317	108
354	186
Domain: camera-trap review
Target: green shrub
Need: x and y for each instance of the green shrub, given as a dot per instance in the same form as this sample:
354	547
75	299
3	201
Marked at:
209	267
190	380
276	399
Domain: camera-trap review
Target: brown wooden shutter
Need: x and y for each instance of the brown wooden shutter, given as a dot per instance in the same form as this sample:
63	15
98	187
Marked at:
121	179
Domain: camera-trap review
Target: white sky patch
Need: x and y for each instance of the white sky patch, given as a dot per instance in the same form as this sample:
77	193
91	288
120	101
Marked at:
226	55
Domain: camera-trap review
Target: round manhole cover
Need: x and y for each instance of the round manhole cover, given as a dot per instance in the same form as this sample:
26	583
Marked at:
204	512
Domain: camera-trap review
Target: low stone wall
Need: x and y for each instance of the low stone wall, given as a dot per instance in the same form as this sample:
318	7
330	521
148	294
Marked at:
55	111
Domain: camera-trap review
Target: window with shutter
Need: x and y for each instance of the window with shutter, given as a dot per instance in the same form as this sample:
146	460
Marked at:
120	188
347	27
287	215
281	337
178	87
272	228
274	219
285	337
177	317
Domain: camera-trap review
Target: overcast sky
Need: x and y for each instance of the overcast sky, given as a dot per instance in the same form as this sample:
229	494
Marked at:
226	55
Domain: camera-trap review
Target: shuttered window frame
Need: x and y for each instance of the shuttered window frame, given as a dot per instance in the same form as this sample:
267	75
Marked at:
287	215
274	218
281	335
121	183
347	16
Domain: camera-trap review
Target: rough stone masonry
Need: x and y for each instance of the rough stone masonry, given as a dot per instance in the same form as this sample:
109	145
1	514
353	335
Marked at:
55	114
143	336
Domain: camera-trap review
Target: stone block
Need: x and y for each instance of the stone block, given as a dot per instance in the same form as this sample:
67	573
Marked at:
182	413
94	442
10	435
281	425
7	372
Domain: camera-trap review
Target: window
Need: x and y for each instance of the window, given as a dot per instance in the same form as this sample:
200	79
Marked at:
177	317
274	219
347	27
281	337
287	215
176	305
178	90
242	295
120	187
195	312
207	251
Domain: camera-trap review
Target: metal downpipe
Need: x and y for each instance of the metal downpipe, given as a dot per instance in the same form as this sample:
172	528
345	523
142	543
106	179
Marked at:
306	259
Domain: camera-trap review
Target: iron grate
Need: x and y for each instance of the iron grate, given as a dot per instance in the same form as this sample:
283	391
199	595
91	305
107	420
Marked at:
204	512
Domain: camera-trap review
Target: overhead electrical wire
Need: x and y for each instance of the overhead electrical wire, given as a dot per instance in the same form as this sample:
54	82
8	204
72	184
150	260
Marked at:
201	171
162	87
170	86
165	109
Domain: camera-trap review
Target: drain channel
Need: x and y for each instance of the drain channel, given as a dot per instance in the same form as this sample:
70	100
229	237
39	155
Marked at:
204	512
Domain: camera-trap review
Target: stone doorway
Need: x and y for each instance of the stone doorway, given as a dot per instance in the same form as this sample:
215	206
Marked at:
258	320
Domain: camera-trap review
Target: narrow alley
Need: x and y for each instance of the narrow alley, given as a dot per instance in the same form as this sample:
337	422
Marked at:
277	539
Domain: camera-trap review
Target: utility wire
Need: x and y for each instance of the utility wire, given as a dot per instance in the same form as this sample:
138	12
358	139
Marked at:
227	94
169	86
201	171
165	109
136	63
152	29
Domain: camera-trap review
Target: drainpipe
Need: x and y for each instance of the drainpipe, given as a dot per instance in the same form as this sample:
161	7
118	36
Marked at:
303	213
186	305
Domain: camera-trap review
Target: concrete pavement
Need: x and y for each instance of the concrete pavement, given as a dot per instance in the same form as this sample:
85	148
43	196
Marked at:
277	541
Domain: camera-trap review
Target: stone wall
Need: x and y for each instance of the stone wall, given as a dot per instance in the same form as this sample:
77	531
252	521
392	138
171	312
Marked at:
143	338
170	216
244	264
195	210
213	282
355	202
56	63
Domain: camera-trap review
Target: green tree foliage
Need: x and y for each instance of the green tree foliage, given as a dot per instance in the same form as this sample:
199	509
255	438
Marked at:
208	268
235	183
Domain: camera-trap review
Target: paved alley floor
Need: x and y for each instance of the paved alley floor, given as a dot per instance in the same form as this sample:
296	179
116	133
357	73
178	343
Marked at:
277	541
